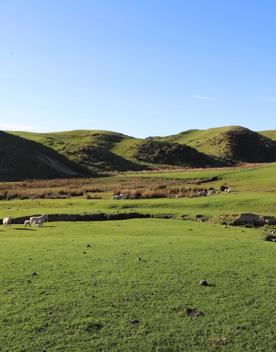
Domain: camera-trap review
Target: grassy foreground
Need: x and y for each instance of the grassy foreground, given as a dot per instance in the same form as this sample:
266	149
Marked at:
129	289
125	285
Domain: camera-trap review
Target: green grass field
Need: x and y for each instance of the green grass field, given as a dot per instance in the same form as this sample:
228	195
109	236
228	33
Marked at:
125	285
129	290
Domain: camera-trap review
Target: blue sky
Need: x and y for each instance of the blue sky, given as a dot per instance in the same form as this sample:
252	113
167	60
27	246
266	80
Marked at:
147	67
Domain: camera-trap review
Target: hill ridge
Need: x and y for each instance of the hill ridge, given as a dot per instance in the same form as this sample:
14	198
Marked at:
98	151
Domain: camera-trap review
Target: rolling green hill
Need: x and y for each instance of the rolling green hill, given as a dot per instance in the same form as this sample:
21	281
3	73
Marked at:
21	159
232	143
270	134
94	151
110	151
90	148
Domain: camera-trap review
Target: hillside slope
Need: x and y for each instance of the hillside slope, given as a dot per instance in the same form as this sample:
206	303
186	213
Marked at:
104	151
110	151
92	149
232	144
270	134
174	154
24	159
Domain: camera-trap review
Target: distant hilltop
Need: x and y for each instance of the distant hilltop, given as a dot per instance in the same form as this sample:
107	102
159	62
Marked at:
28	155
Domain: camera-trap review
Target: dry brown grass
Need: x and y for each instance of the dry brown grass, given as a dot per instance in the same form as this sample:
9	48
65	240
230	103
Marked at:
50	189
134	187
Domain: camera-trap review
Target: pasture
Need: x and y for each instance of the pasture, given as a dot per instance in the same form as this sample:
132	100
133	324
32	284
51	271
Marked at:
126	285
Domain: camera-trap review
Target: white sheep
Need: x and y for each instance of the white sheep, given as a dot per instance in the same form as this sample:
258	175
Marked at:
27	223
7	222
39	223
38	220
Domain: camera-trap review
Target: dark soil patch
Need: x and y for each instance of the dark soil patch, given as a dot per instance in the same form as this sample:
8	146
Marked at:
194	312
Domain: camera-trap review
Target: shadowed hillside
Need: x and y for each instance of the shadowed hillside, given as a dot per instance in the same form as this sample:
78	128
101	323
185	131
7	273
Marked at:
173	154
24	159
248	146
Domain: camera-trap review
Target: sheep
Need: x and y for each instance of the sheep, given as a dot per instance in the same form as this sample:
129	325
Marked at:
116	197
211	192
120	196
34	220
39	223
27	223
124	196
7	222
201	193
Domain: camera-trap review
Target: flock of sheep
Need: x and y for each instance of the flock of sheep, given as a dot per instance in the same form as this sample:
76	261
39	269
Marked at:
33	221
213	191
203	193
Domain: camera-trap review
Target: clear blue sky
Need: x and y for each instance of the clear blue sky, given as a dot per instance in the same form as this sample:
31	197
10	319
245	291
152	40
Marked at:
147	67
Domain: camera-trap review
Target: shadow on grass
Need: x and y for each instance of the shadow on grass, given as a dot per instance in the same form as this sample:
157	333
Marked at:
23	229
30	229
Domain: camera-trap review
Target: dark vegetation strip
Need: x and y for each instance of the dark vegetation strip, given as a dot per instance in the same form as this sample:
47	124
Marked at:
95	217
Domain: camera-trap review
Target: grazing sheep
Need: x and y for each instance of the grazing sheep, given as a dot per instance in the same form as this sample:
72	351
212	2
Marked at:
211	192
27	223
39	223
120	196
116	197
7	222
38	220
201	193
